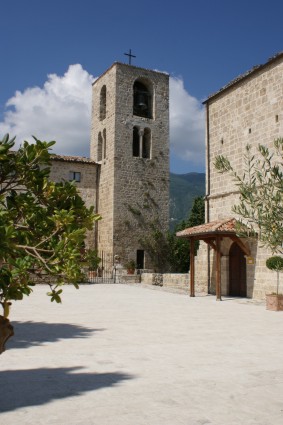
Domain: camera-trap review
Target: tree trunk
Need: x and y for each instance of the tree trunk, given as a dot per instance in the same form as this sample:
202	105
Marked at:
6	331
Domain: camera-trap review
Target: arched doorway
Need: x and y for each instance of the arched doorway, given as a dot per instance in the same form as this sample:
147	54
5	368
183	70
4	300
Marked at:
237	272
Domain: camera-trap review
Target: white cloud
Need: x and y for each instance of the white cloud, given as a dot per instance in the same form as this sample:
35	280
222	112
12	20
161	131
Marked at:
187	125
61	111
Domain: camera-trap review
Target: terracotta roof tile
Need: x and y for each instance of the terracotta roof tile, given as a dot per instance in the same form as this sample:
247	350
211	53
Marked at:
82	159
218	226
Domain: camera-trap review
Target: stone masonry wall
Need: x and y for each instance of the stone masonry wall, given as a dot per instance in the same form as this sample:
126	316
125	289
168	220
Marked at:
87	186
201	269
249	112
141	185
170	280
133	192
106	127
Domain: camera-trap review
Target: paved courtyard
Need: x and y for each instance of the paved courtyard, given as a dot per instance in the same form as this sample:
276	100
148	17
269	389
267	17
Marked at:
129	355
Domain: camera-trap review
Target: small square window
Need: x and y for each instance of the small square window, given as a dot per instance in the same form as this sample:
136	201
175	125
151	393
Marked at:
74	176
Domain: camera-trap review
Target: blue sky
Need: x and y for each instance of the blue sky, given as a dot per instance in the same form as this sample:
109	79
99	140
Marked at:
51	51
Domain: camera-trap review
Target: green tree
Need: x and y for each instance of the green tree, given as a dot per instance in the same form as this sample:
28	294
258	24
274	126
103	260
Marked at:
196	216
42	226
275	263
169	253
156	245
180	248
260	187
178	251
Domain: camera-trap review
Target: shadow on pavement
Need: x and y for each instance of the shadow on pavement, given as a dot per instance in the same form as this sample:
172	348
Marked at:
29	334
34	387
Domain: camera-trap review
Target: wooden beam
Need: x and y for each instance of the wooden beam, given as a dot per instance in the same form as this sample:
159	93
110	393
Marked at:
218	269
241	244
209	241
192	267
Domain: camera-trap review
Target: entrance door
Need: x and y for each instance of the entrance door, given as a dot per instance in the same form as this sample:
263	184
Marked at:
140	259
237	272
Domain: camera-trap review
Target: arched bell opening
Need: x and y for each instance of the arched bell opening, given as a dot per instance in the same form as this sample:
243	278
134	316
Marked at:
102	109
136	142
142	106
99	147
104	143
146	146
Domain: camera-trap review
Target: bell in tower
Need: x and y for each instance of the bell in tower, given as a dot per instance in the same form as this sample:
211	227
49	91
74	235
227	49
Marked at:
141	100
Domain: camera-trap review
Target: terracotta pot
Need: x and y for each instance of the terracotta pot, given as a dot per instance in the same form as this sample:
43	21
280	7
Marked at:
6	331
274	302
130	271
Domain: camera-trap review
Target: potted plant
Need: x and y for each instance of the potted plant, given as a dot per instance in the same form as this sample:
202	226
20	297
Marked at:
130	266
92	260
274	301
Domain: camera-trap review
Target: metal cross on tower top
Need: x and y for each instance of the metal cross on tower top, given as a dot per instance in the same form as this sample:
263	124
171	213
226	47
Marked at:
130	56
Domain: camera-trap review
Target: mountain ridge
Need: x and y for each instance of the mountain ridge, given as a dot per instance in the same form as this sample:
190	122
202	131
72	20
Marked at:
184	188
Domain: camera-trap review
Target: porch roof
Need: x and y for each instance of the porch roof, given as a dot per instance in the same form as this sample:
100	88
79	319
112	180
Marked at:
212	234
220	227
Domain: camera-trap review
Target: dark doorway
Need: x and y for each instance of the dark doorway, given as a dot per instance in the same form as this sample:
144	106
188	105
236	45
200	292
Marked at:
237	272
140	259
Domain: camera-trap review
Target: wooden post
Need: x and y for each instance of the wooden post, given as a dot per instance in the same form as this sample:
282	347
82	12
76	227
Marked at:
192	267
218	269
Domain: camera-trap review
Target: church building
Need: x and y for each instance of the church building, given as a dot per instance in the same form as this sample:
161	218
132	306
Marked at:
126	177
247	111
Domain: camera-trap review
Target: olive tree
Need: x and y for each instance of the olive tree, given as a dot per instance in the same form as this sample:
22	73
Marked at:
261	193
42	227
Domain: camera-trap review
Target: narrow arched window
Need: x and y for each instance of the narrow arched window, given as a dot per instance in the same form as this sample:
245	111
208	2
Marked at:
99	147
104	143
146	143
102	115
136	142
142	106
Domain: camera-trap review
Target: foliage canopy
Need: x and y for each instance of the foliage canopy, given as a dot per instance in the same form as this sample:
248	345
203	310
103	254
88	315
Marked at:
260	205
275	263
42	223
169	253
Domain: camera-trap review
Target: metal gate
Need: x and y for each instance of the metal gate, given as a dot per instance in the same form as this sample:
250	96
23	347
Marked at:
106	272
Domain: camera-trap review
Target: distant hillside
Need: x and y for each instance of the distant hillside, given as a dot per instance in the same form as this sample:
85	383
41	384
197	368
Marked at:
183	189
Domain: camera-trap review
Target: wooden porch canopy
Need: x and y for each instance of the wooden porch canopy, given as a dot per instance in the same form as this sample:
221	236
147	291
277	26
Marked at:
212	233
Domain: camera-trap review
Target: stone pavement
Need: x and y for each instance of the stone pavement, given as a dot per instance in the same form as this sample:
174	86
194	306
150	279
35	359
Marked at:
128	355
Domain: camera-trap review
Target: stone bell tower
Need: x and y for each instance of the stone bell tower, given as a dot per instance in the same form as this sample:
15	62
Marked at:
130	141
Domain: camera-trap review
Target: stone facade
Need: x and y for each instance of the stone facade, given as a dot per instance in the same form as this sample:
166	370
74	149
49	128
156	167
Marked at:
249	110
133	186
84	172
167	280
126	177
